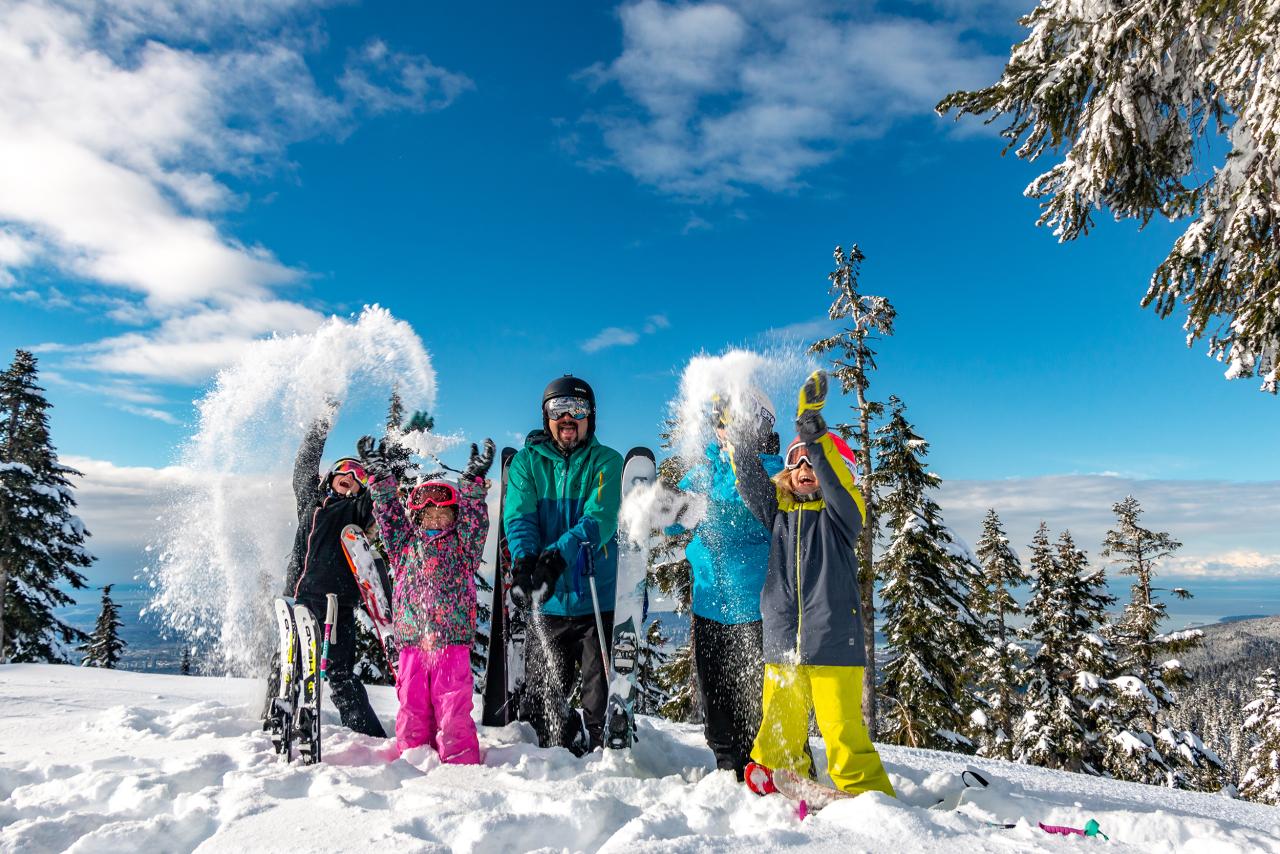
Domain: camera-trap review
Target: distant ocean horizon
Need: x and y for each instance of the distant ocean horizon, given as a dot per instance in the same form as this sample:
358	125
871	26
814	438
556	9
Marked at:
151	647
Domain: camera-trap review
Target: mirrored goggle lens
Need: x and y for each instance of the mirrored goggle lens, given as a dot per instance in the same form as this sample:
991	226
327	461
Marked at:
352	468
797	455
432	495
575	407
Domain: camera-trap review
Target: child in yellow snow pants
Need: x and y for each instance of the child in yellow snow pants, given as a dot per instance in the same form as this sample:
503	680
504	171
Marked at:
835	696
812	614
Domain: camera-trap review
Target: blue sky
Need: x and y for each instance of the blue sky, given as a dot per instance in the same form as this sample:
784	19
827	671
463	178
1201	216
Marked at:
517	179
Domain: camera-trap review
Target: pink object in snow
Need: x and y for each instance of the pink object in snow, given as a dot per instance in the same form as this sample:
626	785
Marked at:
434	688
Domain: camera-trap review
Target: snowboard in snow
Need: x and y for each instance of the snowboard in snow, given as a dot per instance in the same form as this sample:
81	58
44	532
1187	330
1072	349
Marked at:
639	470
279	722
504	666
373	593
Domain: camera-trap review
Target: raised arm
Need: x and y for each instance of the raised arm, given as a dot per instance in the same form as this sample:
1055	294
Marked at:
306	466
840	492
473	517
758	492
393	524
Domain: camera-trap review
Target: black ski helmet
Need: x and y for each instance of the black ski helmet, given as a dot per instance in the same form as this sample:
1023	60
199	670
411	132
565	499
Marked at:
570	386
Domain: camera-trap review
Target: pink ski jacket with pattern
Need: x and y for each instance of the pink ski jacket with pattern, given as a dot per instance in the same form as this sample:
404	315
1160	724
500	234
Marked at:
434	601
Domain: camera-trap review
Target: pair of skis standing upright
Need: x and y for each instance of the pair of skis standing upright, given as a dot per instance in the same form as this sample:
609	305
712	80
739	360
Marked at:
293	717
505	672
294	713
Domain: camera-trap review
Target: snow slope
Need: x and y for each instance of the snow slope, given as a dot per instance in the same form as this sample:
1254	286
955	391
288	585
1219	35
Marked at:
96	760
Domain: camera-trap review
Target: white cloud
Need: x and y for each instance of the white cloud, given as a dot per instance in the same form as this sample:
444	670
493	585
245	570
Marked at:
617	336
805	331
724	96
612	336
1218	522
193	346
385	81
119	504
120	123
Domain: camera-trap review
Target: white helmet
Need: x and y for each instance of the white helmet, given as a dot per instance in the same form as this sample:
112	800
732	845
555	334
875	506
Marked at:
756	409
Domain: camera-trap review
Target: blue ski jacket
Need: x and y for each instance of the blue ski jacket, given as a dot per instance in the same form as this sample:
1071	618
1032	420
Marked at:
730	549
568	502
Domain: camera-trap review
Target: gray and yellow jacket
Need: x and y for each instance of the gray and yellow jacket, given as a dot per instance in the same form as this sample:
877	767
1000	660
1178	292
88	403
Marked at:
810	604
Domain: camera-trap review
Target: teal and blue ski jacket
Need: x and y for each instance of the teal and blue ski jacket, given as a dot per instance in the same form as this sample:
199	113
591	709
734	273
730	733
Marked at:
730	548
569	503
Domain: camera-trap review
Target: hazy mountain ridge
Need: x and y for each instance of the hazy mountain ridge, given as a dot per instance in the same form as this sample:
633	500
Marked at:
1234	653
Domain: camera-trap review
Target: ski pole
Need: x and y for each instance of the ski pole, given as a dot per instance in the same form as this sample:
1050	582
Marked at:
590	569
330	618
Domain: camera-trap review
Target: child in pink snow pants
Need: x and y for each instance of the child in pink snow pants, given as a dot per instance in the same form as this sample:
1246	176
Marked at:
433	547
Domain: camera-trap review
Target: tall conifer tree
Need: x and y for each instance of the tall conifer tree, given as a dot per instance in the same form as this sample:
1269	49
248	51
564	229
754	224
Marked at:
853	359
929	577
1145	747
1066	689
1261	778
42	542
104	646
999	671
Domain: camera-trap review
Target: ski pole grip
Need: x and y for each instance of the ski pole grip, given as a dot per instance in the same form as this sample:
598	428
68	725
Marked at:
331	616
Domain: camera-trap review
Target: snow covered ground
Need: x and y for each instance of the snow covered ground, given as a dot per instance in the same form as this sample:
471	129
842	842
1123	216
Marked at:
96	760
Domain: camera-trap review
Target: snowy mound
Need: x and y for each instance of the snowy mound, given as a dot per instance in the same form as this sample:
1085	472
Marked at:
96	760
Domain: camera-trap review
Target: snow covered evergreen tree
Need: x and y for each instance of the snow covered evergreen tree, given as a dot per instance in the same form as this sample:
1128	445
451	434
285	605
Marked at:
104	646
42	542
928	580
652	655
1144	96
395	410
184	666
1065	612
1144	746
1001	666
853	360
671	573
1092	660
370	662
1261	778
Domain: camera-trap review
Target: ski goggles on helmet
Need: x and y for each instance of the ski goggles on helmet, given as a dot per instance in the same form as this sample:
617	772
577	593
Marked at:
575	407
797	454
436	493
351	467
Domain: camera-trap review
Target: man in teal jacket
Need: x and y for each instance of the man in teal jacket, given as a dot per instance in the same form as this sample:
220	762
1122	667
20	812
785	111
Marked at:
561	520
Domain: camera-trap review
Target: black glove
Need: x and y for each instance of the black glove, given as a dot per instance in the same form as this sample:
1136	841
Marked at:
373	456
382	458
478	466
545	575
522	581
772	444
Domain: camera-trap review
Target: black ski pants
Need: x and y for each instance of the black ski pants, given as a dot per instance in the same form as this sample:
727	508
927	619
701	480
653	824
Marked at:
552	654
345	688
729	660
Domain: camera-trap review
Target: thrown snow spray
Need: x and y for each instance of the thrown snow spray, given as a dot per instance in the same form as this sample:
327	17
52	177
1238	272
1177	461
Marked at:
736	375
226	540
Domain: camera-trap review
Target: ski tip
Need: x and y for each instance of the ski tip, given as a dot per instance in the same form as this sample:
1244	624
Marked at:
640	451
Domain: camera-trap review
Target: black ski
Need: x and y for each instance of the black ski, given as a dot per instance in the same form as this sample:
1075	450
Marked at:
498	710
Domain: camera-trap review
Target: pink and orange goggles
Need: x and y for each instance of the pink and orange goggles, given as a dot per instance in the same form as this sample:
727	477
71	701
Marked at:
351	467
436	493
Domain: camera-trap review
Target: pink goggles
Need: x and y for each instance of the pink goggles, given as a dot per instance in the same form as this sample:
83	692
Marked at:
351	467
436	493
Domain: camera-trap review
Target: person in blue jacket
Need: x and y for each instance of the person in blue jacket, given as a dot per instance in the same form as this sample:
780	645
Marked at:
729	554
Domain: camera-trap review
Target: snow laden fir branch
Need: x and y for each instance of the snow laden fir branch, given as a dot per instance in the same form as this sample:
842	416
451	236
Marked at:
1142	95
